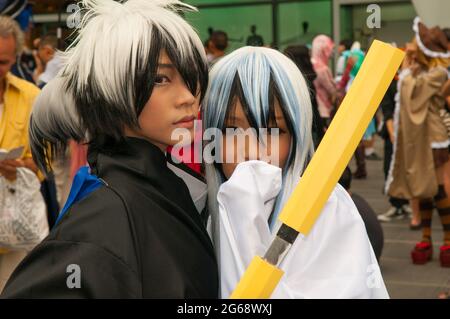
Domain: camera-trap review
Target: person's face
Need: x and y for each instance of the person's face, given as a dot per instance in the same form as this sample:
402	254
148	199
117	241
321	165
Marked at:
7	55
170	106
239	120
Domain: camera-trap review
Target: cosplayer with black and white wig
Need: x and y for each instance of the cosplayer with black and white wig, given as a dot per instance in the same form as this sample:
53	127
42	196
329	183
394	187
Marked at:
109	72
129	228
336	259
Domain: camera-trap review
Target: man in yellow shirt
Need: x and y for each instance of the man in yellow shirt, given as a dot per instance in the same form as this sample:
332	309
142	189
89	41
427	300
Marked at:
16	97
16	100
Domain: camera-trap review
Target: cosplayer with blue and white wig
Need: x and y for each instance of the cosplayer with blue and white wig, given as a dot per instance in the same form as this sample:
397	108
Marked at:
280	76
336	259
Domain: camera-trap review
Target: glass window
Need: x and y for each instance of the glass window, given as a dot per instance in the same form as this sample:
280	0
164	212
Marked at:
300	22
235	21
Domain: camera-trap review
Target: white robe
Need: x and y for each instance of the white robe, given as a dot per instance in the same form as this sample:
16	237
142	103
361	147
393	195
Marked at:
335	260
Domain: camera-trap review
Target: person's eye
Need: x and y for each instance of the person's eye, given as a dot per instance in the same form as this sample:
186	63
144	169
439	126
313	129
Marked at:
161	79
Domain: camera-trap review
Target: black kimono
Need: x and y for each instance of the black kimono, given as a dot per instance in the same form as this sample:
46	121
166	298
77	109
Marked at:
138	236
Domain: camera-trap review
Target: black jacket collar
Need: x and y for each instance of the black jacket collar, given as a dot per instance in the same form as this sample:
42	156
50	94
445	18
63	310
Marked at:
140	163
135	155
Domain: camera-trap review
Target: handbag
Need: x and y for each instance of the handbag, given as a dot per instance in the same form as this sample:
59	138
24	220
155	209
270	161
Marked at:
23	213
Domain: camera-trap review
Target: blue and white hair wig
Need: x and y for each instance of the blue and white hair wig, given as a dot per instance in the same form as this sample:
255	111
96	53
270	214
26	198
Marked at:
258	69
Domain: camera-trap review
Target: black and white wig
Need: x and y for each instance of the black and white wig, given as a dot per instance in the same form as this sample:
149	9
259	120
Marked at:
109	73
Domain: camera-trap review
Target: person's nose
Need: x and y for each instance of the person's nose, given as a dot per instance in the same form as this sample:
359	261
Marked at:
184	97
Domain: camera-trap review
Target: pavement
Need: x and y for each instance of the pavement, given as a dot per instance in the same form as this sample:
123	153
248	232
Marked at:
403	279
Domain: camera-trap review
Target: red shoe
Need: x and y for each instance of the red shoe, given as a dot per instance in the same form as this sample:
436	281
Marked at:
445	256
422	253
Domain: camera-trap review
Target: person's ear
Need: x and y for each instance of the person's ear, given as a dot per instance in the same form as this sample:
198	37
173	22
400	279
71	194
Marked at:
49	51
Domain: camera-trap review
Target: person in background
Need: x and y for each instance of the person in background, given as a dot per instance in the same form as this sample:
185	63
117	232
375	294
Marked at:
421	135
373	227
50	62
24	67
326	90
217	44
399	206
21	12
301	57
16	100
255	39
344	46
368	141
446	94
352	61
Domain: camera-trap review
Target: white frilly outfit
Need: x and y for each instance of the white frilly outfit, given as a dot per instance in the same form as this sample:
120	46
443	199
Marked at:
335	260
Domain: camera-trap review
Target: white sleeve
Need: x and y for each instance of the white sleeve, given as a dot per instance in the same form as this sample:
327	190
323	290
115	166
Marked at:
335	260
245	203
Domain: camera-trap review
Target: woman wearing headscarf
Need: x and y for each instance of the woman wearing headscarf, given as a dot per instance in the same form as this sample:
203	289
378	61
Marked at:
322	50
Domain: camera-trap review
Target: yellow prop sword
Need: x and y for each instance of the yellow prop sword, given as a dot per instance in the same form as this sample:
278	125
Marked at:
323	172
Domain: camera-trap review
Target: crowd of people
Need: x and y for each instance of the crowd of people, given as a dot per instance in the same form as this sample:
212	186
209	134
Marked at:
94	183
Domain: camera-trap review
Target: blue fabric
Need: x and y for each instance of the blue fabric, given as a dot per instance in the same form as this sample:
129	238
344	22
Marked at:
83	184
24	17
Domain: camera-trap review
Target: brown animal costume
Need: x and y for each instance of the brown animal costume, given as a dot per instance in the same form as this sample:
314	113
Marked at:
421	138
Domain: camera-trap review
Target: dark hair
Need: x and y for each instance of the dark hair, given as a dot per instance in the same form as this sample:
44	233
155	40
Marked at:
219	39
301	57
346	179
347	43
50	40
103	123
